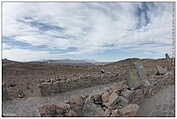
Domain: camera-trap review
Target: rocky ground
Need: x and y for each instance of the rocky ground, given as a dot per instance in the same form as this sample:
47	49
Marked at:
118	89
24	78
156	102
29	106
161	104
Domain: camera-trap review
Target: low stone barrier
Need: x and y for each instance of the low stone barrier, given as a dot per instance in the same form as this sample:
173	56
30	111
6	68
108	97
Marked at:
119	100
58	86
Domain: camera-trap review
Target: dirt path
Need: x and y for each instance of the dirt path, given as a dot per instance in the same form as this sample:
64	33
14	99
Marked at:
29	107
161	104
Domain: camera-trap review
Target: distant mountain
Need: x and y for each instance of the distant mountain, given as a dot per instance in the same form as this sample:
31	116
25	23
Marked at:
62	61
129	60
90	61
102	63
69	61
8	61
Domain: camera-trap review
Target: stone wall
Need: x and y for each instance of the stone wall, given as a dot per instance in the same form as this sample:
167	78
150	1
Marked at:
58	86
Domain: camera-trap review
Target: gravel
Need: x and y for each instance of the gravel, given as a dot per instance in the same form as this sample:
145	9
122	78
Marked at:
162	104
29	107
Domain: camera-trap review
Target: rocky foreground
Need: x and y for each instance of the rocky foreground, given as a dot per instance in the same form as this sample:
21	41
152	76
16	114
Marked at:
119	100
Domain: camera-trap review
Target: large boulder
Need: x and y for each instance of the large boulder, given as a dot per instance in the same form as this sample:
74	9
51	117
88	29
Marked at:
137	97
91	109
76	103
129	110
113	100
105	96
127	94
123	101
116	101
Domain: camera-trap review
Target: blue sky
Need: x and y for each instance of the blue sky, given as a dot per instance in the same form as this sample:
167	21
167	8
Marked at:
86	30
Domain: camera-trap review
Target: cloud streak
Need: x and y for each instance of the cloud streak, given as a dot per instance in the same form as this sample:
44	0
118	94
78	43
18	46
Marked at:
60	30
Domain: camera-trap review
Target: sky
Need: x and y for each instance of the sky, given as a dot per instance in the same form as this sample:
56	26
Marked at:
86	30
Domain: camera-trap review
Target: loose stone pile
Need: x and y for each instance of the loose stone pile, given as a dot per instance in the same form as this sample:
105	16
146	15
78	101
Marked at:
122	99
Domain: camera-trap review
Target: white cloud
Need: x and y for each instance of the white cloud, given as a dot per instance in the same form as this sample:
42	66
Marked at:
87	26
6	46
